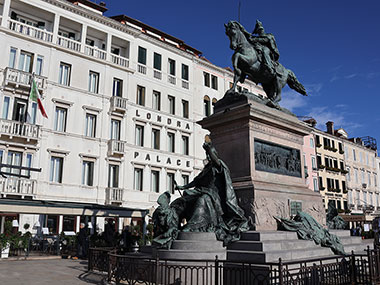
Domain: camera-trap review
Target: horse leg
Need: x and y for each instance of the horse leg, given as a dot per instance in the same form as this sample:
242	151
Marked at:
237	71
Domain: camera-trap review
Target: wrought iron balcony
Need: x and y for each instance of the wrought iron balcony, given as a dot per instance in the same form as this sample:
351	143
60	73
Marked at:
21	79
114	195
119	104
116	147
30	31
19	129
17	186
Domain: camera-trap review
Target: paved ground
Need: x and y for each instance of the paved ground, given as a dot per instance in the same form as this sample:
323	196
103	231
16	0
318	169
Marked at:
44	272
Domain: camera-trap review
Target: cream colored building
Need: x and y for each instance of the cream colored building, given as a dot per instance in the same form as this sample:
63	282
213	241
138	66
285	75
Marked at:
122	98
331	167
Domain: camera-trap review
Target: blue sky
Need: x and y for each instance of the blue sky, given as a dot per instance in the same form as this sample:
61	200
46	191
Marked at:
333	47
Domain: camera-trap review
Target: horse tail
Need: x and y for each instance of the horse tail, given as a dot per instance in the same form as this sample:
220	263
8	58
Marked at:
295	84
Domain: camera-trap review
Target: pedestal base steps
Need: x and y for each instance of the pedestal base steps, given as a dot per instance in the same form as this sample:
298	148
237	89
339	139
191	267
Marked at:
194	246
269	246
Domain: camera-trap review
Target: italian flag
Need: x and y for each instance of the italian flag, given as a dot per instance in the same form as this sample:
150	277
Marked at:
35	96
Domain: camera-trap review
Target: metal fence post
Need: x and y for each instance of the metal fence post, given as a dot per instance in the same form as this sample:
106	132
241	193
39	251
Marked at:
280	273
353	268
89	259
216	270
157	265
370	264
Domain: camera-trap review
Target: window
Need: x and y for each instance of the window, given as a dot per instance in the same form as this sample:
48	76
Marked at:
113	176
5	107
142	55
155	138
157	61
28	163
171	104
56	169
348	174
156	104
171	142
115	130
88	173
185	72
140	96
354	154
170	182
313	163
356	175
93	82
361	157
33	114
60	119
367	159
321	183
185	145
315	183
206	78
185	109
206	106
25	62
19	110
185	179
90	130
117	89
369	179
39	65
214	82
363	179
12	58
64	74
318	139
139	136
1	155
138	182
311	142
171	66
155	181
14	158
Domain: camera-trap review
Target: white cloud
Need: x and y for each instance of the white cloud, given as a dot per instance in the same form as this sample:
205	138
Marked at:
292	100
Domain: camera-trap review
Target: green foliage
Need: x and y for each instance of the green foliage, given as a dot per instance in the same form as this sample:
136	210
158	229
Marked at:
26	226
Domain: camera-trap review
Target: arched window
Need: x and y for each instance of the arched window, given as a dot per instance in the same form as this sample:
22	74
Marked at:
206	105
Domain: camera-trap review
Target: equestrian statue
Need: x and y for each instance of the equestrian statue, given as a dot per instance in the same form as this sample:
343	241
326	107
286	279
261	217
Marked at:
256	57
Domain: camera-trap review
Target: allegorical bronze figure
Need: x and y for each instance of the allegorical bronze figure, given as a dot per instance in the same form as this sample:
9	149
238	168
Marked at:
256	57
208	204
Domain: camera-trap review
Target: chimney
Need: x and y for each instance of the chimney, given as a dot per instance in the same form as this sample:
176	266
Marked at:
330	127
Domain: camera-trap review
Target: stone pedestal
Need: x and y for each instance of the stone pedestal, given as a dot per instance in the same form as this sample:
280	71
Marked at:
262	147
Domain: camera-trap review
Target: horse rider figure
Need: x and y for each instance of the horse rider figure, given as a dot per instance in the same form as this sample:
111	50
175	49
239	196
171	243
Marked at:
265	45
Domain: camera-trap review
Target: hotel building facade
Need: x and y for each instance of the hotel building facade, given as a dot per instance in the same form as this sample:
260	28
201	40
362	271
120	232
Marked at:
122	100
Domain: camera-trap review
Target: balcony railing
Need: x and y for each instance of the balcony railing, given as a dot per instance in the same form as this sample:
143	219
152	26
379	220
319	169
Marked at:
68	43
171	79
119	103
30	31
17	186
157	74
114	195
116	147
18	129
119	60
141	69
22	78
95	52
185	84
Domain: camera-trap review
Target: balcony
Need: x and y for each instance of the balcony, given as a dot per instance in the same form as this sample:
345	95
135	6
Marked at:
68	43
114	195
119	104
185	84
171	79
119	60
30	31
95	52
157	74
17	186
141	68
18	129
116	147
22	79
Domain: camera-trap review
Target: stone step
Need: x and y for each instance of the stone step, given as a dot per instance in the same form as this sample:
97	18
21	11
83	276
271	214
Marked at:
350	240
205	255
340	233
268	235
271	245
273	256
196	236
197	245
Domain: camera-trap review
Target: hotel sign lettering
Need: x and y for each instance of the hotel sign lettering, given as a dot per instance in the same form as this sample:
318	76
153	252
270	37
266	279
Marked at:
274	158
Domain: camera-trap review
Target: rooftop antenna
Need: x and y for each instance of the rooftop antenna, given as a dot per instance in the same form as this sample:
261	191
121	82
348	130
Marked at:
239	11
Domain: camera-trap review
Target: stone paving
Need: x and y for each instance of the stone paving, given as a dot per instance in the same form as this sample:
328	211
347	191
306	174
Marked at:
43	272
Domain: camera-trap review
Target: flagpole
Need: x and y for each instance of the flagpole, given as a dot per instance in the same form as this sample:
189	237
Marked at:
27	102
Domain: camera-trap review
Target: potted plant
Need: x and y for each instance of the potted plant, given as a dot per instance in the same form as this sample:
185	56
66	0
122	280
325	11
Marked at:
4	245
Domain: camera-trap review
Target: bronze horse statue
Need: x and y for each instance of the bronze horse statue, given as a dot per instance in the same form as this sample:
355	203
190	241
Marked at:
246	63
